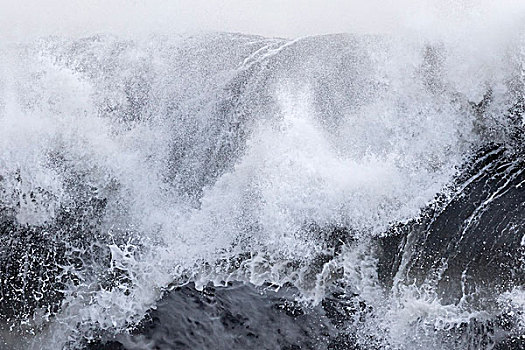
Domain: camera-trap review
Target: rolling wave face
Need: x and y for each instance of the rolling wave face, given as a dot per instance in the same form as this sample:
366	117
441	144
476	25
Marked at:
131	167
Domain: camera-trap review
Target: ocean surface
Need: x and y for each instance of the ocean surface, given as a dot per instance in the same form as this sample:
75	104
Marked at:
231	191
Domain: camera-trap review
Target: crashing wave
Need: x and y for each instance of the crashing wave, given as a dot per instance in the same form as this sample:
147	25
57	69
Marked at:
379	166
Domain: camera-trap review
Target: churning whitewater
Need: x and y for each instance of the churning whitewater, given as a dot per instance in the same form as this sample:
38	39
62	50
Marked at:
232	191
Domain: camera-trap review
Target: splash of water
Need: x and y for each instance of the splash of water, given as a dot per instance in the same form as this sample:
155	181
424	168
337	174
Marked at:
129	166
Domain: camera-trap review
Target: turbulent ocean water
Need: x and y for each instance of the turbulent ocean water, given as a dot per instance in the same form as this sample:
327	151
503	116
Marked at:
231	191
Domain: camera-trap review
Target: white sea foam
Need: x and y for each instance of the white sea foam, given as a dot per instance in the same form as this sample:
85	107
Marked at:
202	157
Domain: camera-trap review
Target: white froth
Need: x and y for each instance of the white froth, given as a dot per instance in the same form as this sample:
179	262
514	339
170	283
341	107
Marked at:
392	149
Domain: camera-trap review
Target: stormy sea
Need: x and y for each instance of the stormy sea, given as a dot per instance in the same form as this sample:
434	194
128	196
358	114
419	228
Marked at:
231	191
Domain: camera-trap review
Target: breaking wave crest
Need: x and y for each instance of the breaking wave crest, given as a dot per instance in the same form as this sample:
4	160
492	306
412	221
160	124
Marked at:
129	168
